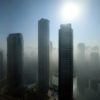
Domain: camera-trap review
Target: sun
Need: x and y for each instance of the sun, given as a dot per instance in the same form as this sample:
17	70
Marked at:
69	11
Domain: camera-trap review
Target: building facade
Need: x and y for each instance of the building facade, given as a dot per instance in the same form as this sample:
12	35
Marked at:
43	55
66	62
15	59
81	53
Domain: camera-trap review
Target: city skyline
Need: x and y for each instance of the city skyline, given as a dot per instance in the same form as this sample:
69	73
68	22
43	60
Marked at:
65	54
50	49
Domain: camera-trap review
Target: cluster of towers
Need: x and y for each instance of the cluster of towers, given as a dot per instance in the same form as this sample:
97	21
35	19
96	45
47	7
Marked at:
15	59
65	59
88	70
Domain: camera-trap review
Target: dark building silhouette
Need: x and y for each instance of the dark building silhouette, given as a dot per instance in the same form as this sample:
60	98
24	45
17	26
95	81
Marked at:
43	55
66	62
1	66
15	59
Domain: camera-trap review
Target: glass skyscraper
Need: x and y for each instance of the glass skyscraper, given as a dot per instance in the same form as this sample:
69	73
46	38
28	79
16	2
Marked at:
66	62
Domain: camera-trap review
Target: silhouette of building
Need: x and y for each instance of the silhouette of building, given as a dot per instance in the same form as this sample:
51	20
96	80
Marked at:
81	53
1	66
66	62
51	46
15	59
43	55
82	79
95	58
50	62
95	65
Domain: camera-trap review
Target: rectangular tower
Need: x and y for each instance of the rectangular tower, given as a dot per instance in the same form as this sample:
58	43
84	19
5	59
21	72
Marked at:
15	59
66	62
43	55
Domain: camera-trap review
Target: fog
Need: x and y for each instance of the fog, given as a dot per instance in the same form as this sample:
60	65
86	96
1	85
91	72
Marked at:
86	84
87	72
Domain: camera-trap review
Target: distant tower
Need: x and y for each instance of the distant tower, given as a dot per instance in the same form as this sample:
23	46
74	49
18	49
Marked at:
15	59
51	46
43	55
66	62
95	70
95	58
51	61
81	53
1	66
95	65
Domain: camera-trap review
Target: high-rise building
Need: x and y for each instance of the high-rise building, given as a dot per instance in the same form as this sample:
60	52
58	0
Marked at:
66	62
15	59
81	53
95	59
1	66
51	46
43	55
50	61
81	61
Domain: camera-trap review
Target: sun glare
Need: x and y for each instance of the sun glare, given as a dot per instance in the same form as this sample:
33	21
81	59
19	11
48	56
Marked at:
69	11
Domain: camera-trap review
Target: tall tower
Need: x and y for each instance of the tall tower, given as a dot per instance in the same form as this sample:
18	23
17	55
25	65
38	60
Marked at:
66	62
50	61
15	59
1	66
43	55
81	53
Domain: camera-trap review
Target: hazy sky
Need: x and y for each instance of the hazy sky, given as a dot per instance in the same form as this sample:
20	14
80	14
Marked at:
23	15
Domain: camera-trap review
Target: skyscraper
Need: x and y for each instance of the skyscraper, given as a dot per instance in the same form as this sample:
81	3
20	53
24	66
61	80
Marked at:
15	59
43	55
66	62
81	53
50	61
1	66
